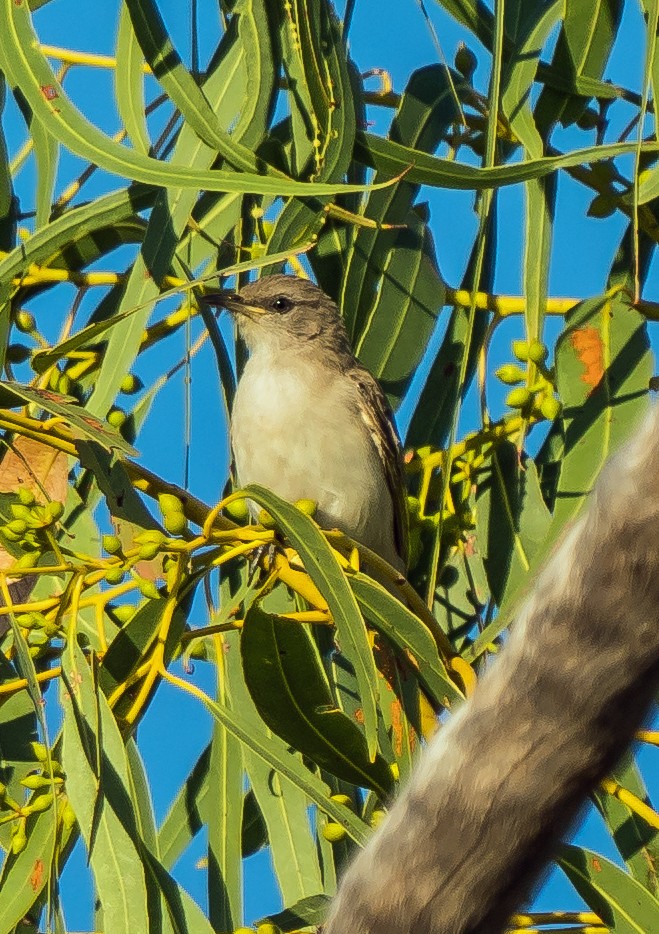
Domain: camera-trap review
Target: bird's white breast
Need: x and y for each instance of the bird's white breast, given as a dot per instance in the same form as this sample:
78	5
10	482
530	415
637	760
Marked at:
296	430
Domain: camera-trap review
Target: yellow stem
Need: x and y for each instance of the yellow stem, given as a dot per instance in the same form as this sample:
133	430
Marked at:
506	428
633	802
71	57
648	736
10	687
157	661
554	917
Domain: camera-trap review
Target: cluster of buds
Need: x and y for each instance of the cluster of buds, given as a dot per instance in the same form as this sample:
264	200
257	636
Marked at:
42	784
537	400
26	528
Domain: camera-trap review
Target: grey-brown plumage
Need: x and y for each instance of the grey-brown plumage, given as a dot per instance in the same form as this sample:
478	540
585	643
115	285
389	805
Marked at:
470	835
309	421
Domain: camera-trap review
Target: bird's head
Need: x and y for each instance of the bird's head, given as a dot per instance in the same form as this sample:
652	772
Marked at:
284	314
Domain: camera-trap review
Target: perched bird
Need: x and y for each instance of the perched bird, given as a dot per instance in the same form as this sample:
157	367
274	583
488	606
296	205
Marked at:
309	421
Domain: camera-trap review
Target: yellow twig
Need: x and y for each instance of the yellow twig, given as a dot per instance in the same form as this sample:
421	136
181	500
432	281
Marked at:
10	687
71	57
633	802
554	917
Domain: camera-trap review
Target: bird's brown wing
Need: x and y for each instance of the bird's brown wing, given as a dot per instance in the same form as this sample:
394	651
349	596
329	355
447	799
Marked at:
376	414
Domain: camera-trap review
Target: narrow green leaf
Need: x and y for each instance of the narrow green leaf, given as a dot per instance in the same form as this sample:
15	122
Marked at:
225	777
636	840
387	156
620	901
293	697
511	519
309	912
408	634
181	86
324	570
584	44
22	60
283	803
129	83
98	788
24	877
82	423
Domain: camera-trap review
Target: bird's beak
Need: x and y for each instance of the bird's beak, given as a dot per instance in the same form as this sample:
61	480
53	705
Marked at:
232	302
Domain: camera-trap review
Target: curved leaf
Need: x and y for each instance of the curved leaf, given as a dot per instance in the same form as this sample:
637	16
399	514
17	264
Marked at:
322	567
292	695
620	901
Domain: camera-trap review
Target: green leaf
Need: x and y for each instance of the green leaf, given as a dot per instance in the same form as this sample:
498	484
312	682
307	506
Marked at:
385	155
620	901
324	570
24	877
77	232
181	86
224	89
392	290
282	802
46	153
81	422
636	840
28	68
292	695
584	45
308	912
18	728
129	83
322	103
408	634
225	775
511	519
97	785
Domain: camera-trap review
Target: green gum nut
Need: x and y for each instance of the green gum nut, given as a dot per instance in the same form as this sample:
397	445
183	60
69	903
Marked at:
518	398
111	544
148	589
510	374
237	510
333	832
115	575
265	519
307	506
26	496
130	384
123	613
175	523
116	418
537	352
25	322
148	551
550	408
169	503
521	350
18	838
345	800
54	510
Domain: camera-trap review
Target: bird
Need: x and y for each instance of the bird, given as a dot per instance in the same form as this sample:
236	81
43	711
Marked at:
309	421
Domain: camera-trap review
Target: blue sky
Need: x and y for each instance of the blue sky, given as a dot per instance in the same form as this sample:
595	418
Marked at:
389	34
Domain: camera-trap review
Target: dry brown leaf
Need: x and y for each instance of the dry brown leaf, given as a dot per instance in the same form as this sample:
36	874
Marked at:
36	466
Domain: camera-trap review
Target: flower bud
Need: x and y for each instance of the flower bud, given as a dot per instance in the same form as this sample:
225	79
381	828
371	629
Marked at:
521	350
334	832
111	544
518	398
537	352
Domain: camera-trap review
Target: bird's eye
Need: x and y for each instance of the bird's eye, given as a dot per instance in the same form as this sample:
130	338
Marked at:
281	303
